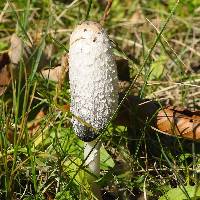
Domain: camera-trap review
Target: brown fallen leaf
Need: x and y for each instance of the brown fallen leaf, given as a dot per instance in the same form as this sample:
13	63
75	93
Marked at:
20	49
65	108
15	50
138	16
5	77
174	121
53	74
9	62
34	125
180	122
58	73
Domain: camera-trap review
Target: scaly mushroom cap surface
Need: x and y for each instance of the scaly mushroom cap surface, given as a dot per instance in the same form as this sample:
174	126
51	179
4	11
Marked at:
93	79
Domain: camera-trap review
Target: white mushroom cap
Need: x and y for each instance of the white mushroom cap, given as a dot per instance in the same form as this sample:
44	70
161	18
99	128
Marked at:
93	79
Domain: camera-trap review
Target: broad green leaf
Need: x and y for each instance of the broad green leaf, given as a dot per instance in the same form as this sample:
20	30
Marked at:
3	46
64	196
180	194
72	166
157	68
106	160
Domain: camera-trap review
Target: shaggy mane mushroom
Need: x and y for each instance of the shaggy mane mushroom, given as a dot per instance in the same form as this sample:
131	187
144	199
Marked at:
93	86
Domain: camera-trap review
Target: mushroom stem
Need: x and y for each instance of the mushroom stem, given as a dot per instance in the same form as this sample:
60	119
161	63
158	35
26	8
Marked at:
92	156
